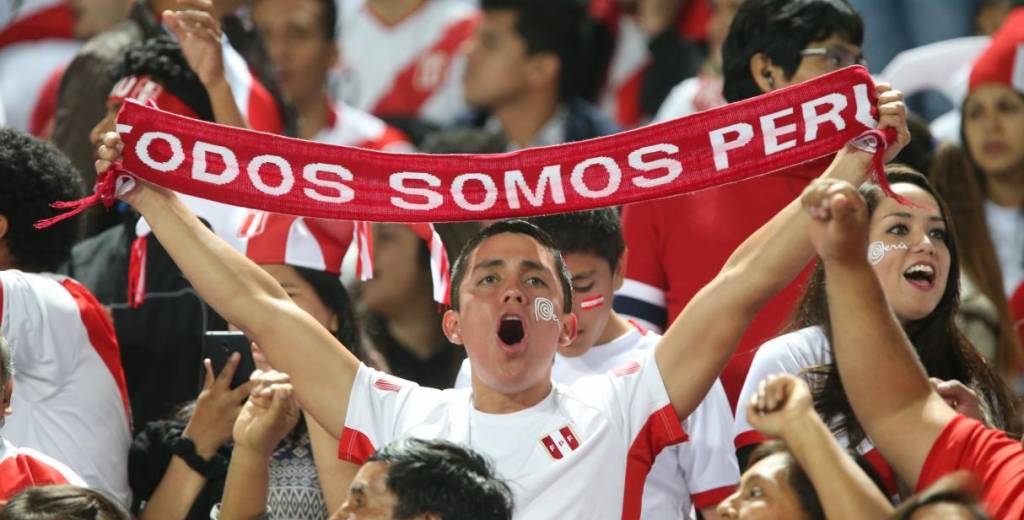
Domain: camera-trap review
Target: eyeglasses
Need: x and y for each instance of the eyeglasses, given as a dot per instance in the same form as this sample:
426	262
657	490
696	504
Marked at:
838	57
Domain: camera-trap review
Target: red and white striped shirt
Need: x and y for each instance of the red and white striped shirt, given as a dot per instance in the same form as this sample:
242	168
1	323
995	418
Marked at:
22	468
70	398
410	68
349	126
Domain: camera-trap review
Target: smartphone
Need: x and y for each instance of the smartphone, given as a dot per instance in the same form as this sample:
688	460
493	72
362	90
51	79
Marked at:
218	345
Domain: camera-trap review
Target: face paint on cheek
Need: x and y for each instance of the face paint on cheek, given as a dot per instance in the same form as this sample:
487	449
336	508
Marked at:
544	310
592	303
877	250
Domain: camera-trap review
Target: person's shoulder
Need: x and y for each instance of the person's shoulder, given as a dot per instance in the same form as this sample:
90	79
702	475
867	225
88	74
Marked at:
585	120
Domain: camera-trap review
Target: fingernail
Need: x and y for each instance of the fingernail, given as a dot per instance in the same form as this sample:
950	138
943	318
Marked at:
123	185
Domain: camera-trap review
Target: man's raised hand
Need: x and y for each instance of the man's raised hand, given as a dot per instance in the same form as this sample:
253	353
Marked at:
780	400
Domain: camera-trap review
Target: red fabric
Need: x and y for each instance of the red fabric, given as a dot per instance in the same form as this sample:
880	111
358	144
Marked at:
748	438
263	113
627	105
101	335
22	471
354	446
145	90
52	22
1017	310
996	459
1003	61
41	122
662	429
711	497
678	245
885	472
694	19
233	166
409	90
137	271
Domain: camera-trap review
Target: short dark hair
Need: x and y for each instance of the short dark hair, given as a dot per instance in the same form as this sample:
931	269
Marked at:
560	27
521	227
33	174
6	363
161	59
597	232
441	477
328	19
780	29
61	503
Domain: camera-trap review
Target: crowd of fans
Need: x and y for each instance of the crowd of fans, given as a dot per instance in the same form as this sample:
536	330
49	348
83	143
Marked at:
815	343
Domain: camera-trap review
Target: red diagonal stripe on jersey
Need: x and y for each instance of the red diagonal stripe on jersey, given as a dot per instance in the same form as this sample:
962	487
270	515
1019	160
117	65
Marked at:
570	437
22	471
52	22
387	385
406	97
552	448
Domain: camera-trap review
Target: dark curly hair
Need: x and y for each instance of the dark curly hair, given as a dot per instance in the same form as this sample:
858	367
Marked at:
33	174
161	59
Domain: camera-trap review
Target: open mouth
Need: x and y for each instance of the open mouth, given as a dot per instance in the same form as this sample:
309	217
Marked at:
511	331
921	276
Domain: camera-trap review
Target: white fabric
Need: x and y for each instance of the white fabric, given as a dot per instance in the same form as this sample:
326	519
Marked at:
679	101
12	11
24	69
705	462
630	58
354	127
66	401
1007	228
791	354
364	40
609	416
931	66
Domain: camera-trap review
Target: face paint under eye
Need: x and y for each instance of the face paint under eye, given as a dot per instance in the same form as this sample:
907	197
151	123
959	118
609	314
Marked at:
592	303
544	309
877	250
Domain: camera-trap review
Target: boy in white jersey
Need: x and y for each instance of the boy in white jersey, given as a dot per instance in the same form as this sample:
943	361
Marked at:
580	451
702	470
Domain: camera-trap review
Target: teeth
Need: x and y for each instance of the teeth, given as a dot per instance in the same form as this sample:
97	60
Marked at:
921	268
516	318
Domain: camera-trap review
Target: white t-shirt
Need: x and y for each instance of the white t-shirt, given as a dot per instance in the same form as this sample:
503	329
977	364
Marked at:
412	68
582	452
701	471
70	399
1007	228
791	353
25	467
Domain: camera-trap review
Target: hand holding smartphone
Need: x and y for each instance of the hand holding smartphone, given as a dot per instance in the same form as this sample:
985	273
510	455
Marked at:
218	347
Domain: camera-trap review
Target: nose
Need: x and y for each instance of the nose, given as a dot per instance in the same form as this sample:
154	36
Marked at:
924	245
513	295
727	507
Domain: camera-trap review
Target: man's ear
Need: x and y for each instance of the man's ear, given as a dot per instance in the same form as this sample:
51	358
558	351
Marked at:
767	75
3	226
543	68
428	516
450	325
619	276
5	404
568	332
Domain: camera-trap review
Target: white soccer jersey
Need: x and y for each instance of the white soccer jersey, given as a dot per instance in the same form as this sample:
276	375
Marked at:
349	126
583	452
791	354
25	69
70	399
699	472
412	68
620	97
21	468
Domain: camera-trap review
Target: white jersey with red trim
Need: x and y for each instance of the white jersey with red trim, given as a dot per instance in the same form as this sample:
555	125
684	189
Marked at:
411	68
24	70
22	468
699	472
70	400
620	97
349	126
582	452
790	354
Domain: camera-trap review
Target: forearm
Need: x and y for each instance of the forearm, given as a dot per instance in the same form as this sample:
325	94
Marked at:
246	490
174	496
335	474
225	110
844	490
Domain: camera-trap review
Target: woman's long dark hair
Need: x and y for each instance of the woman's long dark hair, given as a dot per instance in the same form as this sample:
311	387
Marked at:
941	347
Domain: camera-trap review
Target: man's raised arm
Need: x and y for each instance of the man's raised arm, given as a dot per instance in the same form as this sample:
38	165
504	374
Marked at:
322	370
884	381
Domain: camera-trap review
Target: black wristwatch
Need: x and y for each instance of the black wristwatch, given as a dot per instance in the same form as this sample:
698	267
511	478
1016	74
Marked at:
212	469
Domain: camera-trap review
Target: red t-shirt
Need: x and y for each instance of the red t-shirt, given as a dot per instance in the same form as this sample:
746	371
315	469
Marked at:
995	458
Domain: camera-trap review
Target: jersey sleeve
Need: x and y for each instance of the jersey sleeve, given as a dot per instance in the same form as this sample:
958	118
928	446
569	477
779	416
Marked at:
708	460
790	354
24	320
465	377
374	409
993	457
642	296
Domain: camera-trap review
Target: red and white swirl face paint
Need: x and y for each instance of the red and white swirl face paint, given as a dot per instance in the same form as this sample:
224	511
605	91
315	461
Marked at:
592	303
544	310
877	250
